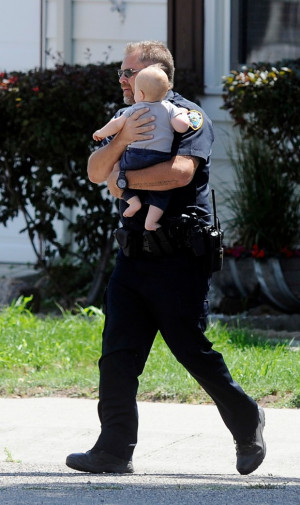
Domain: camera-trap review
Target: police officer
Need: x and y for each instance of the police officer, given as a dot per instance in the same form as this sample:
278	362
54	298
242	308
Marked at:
156	287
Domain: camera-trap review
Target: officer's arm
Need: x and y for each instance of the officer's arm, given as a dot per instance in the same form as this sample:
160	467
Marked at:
102	161
176	173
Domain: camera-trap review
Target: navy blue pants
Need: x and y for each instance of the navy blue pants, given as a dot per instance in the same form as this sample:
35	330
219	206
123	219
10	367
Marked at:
168	294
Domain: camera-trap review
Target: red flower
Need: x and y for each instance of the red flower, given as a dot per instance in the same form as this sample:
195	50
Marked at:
36	89
286	252
257	253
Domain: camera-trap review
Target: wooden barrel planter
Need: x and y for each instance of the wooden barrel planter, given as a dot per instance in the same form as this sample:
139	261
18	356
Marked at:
274	280
237	279
279	280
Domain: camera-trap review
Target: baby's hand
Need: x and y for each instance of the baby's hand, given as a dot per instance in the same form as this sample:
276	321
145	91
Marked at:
96	136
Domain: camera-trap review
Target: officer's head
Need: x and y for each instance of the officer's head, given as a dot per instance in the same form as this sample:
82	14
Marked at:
139	55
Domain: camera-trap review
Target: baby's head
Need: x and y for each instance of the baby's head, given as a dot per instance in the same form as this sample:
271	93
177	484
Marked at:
151	84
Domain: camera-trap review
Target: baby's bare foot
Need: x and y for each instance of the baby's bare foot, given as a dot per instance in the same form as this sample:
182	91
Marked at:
152	226
132	209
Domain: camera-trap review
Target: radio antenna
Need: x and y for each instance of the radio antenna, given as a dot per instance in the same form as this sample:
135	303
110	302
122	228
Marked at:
214	209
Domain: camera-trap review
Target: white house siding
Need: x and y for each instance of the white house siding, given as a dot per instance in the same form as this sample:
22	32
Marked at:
15	247
19	34
102	31
50	35
19	50
217	64
221	174
97	32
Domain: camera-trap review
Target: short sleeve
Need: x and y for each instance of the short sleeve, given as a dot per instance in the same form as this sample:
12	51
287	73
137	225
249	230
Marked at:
198	139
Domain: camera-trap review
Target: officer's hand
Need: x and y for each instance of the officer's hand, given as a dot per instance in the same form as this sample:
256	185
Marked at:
138	126
112	182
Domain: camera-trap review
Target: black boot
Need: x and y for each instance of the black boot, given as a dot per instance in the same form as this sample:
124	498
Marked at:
251	452
98	462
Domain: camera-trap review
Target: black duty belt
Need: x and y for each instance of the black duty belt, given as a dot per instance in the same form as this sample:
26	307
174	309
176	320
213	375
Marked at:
189	234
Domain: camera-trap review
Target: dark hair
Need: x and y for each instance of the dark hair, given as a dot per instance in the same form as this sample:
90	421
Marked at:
151	52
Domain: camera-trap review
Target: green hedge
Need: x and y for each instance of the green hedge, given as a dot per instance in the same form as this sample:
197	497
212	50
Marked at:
264	100
47	120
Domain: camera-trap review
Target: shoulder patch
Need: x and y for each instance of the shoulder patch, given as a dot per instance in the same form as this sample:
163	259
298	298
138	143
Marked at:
196	119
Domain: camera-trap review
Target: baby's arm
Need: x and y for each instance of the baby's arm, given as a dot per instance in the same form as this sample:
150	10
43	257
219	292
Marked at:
181	122
111	128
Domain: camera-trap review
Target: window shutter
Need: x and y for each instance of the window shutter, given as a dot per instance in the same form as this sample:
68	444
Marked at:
186	35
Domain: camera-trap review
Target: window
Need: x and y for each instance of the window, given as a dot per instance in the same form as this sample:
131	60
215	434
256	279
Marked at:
264	30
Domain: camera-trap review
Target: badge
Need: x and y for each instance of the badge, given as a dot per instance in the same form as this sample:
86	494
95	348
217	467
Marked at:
196	119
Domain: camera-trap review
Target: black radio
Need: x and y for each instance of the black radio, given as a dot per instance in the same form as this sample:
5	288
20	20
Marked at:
191	231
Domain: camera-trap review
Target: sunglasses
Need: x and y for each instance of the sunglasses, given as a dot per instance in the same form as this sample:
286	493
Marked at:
128	72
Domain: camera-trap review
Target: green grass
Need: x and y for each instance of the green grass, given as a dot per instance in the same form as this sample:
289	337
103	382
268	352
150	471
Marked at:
58	355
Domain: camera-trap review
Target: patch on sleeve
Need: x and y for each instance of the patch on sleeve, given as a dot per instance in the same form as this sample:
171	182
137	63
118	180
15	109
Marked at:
196	119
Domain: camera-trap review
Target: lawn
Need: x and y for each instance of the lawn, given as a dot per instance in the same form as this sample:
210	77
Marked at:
58	355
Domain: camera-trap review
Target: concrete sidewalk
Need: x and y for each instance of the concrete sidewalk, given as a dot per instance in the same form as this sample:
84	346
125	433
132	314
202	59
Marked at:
185	456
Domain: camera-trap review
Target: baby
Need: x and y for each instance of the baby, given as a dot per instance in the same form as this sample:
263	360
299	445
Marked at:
151	87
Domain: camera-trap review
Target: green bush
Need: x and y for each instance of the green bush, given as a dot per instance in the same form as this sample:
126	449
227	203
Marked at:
264	203
264	100
47	120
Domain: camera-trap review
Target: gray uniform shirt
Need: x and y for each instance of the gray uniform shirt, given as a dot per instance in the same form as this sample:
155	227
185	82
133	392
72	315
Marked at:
163	111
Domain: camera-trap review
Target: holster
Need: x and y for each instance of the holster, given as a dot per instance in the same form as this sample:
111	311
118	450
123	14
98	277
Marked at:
129	242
